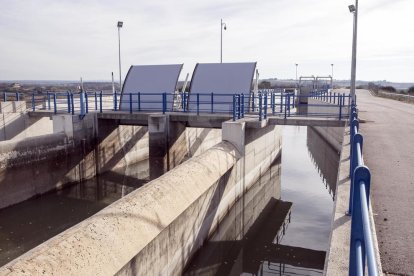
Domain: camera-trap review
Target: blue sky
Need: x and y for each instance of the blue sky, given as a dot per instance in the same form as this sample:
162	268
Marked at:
49	39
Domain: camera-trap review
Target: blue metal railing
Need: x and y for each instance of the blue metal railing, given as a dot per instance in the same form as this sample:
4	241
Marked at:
362	247
262	104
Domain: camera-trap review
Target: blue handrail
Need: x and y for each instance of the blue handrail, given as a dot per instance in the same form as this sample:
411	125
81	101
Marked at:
362	245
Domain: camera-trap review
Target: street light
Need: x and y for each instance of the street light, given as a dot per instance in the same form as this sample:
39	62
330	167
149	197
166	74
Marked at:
332	76
296	74
354	9
222	26
119	25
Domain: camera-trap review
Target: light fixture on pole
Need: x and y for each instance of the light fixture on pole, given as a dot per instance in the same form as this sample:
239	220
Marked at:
222	26
332	76
354	9
296	74
119	25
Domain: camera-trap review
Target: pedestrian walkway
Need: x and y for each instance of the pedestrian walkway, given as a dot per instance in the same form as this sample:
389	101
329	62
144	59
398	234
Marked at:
388	129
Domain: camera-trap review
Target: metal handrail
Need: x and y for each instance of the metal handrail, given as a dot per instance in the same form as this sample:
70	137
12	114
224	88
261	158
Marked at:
362	245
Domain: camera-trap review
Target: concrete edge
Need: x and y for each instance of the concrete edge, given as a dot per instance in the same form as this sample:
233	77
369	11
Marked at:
375	239
337	256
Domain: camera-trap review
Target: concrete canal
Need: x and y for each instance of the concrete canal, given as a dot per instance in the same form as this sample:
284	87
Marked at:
281	226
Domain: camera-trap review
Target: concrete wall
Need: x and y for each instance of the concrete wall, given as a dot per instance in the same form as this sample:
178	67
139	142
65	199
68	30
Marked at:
16	124
333	135
395	96
155	229
80	149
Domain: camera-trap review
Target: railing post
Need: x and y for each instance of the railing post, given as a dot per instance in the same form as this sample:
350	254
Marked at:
33	102
130	103
72	103
198	104
253	102
86	102
212	102
340	107
234	107
242	105
96	101
17	96
139	101
265	106
68	100
164	104
54	103
5	97
260	106
100	102
115	100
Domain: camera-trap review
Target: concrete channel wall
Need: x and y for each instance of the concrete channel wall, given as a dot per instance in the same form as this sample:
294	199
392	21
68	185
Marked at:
16	124
157	228
79	149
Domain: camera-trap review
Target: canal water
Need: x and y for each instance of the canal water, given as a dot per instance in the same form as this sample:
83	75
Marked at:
25	225
286	216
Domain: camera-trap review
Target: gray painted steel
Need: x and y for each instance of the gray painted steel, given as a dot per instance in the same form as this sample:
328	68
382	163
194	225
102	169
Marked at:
150	81
220	79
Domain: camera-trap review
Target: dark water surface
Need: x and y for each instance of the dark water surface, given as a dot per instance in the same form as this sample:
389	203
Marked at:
25	225
285	228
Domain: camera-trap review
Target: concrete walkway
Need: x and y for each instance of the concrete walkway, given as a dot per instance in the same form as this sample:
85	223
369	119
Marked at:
388	133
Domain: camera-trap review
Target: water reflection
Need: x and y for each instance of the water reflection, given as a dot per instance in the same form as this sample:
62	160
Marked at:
325	159
286	235
25	225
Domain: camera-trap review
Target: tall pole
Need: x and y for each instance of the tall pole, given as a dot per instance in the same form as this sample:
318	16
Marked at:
296	74
120	24
222	25
221	40
354	50
332	76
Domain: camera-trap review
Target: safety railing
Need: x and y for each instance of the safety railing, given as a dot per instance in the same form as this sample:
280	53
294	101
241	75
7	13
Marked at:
11	96
362	251
262	104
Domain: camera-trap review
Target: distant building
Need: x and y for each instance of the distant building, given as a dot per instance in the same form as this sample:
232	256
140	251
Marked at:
15	86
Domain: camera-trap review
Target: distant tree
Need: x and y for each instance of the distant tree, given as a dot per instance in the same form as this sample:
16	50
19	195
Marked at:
390	89
265	85
373	87
411	90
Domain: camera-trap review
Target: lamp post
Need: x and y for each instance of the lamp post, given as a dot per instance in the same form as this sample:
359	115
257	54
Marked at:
332	76
119	25
354	9
222	26
296	74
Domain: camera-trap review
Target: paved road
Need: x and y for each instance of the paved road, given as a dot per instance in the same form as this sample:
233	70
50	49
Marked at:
389	153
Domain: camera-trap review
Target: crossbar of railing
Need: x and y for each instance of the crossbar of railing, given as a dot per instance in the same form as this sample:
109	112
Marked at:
362	245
